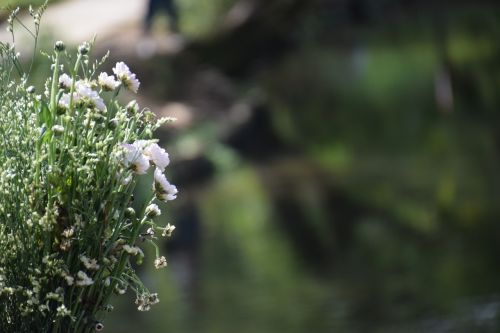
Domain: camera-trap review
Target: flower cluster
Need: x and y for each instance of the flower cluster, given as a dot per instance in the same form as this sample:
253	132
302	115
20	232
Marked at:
82	92
69	163
126	77
138	157
145	301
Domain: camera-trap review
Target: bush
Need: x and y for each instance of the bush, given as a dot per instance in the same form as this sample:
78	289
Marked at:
69	161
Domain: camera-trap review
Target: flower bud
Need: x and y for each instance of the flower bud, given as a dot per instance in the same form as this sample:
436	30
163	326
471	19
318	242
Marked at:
59	46
148	132
139	259
57	129
30	90
112	124
129	212
132	107
61	110
83	49
153	211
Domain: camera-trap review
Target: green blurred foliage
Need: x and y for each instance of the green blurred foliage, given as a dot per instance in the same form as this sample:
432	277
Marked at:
385	217
201	19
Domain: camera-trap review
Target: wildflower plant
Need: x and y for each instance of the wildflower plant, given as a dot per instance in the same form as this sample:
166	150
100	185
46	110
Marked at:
70	159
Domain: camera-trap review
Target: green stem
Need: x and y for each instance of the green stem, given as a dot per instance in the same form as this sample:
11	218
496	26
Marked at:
55	87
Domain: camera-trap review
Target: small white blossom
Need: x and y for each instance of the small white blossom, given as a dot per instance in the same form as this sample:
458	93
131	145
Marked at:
85	93
153	210
64	100
132	250
65	81
164	190
120	289
168	230
83	279
43	307
160	262
62	311
150	233
128	78
68	232
69	280
143	303
153	299
143	307
134	159
89	263
132	107
58	129
54	296
157	155
107	82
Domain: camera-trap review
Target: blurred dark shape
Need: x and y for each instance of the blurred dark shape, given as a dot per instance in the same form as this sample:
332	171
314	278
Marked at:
256	32
168	7
184	248
256	139
444	91
193	172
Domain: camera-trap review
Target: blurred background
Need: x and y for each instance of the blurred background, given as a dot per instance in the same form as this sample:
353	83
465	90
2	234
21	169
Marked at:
338	160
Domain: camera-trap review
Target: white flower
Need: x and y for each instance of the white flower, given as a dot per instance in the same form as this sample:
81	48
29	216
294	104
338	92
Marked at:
157	155
153	299
58	129
160	262
164	190
128	78
85	93
153	210
68	232
141	144
150	233
167	232
89	263
65	81
134	159
107	82
83	279
62	311
132	250
143	303
120	289
143	307
64	101
69	280
129	249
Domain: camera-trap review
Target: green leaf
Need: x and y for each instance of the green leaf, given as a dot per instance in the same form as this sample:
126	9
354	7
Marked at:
44	115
